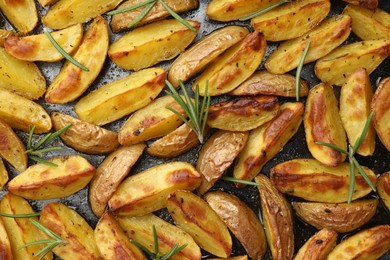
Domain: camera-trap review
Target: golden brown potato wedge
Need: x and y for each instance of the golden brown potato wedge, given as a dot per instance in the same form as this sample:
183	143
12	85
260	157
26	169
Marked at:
383	188
267	140
277	219
198	219
144	47
12	148
72	81
338	65
291	20
217	155
83	136
121	21
314	181
241	257
121	97
355	107
21	14
369	4
112	242
5	245
323	39
342	217
243	114
39	48
368	244
318	246
32	85
323	124
198	56
73	228
147	191
21	113
235	65
140	229
265	83
110	174
4	34
241	220
3	174
380	107
41	181
46	2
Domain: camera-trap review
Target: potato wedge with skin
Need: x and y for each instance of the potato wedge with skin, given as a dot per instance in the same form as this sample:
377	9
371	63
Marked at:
277	219
265	83
241	257
311	180
197	218
383	188
318	246
121	97
235	65
198	56
368	244
21	113
112	242
20	230
121	21
12	148
5	245
323	123
3	175
83	136
39	48
72	81
323	39
147	191
342	217
355	107
243	114
369	4
267	140
21	14
381	108
337	66
291	20
140	229
217	155
4	34
152	121
46	2
41	181
73	228
110	173
241	220
32	85
144	47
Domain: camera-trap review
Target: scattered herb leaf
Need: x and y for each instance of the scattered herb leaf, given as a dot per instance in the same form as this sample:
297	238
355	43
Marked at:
130	8
299	70
177	17
142	14
262	11
232	179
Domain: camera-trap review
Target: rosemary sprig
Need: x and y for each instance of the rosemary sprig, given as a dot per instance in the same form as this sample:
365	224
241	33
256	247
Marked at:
130	8
28	215
232	179
197	117
262	11
64	53
176	16
299	70
142	14
352	160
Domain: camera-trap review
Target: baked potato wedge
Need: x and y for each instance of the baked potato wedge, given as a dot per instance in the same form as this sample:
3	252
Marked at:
147	191
318	246
5	245
267	140
240	257
198	219
277	219
341	217
21	113
4	34
235	65
291	20
73	228
46	2
241	220
336	67
3	174
383	188
41	181
140	229
72	81
311	180
32	85
323	39
121	97
83	136
380	107
110	173
198	56
21	14
217	155
144	47
369	4
368	244
243	113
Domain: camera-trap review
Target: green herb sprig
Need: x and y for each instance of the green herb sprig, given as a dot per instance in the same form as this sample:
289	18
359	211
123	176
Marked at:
352	160
299	70
232	179
262	11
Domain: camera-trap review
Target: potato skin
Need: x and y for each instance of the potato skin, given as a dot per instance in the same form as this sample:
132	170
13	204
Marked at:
369	4
383	188
318	246
3	174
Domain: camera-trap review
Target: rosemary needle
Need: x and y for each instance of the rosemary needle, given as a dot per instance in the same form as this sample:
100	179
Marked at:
142	14
299	70
262	11
130	8
227	178
177	17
